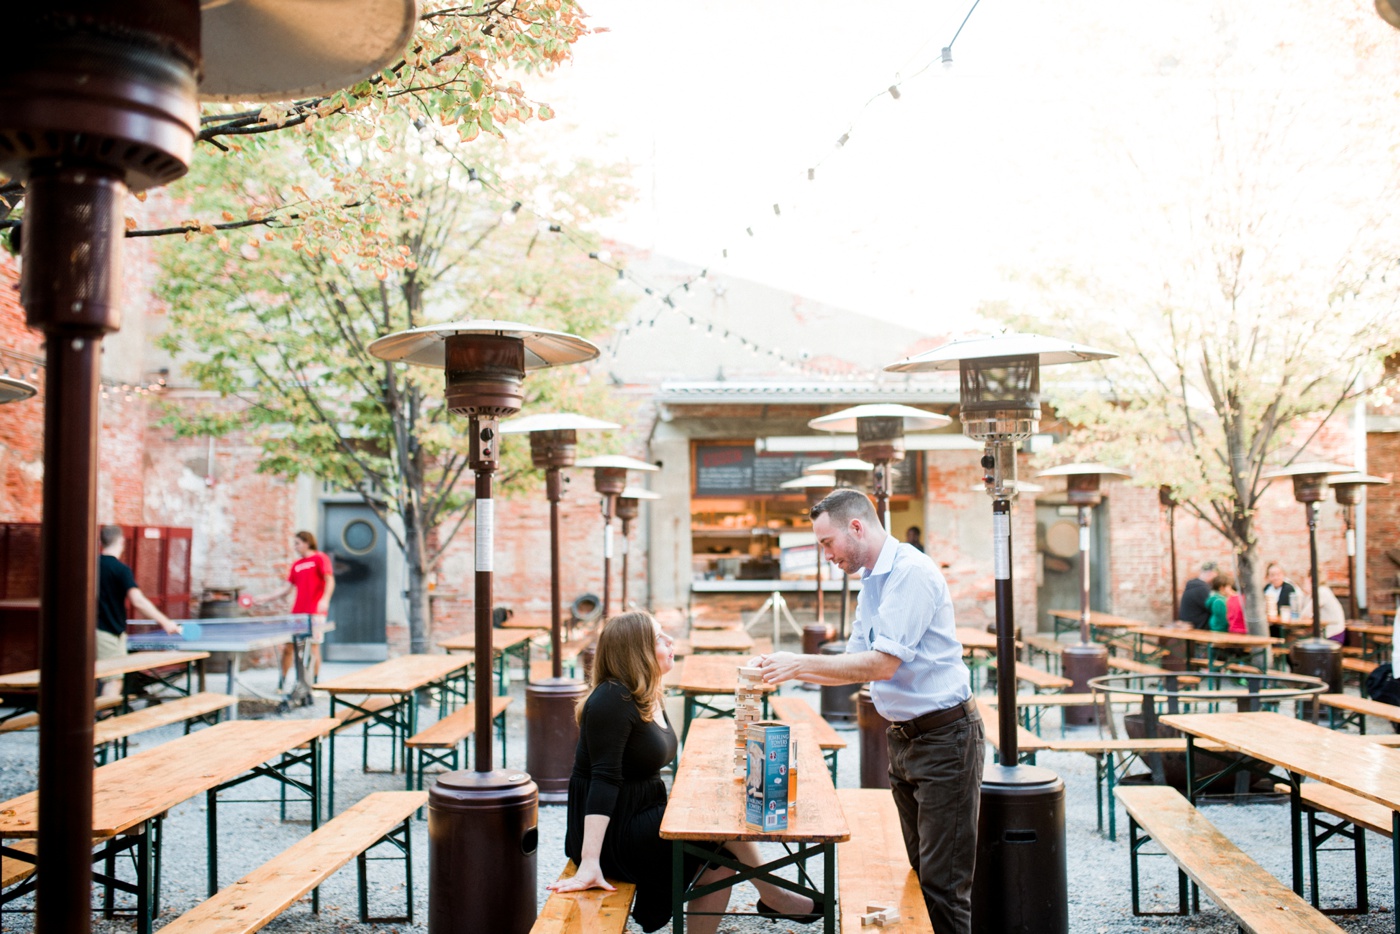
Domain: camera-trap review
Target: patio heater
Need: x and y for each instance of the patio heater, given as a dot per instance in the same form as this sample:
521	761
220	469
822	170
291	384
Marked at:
13	389
879	431
482	824
1021	827
610	479
838	702
629	505
1166	495
815	486
98	99
1315	656
551	731
1348	488
1088	659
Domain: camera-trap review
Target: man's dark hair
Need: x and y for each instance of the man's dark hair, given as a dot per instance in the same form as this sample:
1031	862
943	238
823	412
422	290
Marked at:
110	535
845	505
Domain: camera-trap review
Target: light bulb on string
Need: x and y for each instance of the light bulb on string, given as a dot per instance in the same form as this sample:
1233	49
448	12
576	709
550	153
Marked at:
509	214
946	57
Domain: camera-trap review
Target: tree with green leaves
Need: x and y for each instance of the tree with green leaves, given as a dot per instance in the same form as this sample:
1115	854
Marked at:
279	319
459	71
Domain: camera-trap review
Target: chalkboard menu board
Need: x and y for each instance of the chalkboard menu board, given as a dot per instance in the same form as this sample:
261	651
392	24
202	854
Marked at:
739	470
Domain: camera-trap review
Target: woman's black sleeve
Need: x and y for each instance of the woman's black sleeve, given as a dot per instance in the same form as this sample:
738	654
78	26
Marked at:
607	723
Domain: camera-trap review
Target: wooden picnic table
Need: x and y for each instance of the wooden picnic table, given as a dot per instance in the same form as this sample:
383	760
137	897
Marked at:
1301	749
27	682
717	621
707	806
1211	640
710	676
1068	621
721	640
131	796
1373	638
971	638
515	642
399	679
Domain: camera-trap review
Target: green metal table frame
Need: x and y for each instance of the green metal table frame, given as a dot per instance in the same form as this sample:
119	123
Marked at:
682	893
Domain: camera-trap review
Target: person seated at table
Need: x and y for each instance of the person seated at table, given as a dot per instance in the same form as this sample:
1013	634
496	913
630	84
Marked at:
616	796
1333	616
1193	607
1279	593
1234	612
1218	602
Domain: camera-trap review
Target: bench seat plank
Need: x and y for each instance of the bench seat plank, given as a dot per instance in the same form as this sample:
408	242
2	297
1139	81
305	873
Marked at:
455	727
159	715
797	710
1243	889
592	911
1041	679
1361	705
263	894
874	867
1026	741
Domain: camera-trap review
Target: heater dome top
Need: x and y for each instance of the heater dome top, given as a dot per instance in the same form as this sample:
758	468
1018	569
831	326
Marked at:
1047	350
427	346
1083	469
277	50
914	419
842	463
809	481
15	390
638	492
555	421
1324	468
616	462
1355	477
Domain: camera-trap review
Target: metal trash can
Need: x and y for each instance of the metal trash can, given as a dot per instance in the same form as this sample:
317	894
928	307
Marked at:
838	700
1020	883
874	747
482	840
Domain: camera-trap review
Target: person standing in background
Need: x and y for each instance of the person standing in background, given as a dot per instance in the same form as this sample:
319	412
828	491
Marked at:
116	585
313	579
1193	607
915	537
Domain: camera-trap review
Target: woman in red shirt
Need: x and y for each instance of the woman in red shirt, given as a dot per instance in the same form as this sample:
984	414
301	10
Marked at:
313	580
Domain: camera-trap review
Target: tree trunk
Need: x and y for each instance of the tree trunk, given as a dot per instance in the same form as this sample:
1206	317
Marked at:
419	614
1252	588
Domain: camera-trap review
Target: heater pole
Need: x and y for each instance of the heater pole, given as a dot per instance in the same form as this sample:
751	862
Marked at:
554	487
1006	631
626	530
1085	637
484	430
1312	553
1349	516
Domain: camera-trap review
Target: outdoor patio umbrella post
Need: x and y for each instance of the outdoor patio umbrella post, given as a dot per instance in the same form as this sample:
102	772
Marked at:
97	100
999	405
1347	488
1315	656
1087	659
482	824
551	730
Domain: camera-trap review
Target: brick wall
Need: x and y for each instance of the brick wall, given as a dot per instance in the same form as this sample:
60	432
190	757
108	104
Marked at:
1383	519
21	423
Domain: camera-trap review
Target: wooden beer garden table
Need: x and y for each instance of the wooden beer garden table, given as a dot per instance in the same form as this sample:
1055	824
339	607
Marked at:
711	676
21	688
1374	639
721	640
707	807
1068	621
503	641
131	796
1211	640
1302	750
398	679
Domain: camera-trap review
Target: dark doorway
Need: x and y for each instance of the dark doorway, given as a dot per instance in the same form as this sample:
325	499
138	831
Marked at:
357	543
1057	541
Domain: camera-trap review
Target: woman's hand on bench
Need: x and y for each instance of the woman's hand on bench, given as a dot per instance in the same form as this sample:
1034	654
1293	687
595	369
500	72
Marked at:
588	876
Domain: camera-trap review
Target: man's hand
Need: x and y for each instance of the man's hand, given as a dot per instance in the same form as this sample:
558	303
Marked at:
172	627
323	607
588	876
779	666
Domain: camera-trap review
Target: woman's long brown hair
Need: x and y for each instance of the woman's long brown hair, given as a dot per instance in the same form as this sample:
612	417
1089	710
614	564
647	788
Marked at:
627	654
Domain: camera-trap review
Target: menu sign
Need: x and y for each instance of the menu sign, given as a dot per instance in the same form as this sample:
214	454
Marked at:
739	470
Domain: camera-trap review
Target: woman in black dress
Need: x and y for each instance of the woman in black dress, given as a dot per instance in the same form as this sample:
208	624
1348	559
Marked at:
617	798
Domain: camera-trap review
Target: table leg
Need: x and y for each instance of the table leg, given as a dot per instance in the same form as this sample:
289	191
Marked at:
144	913
829	887
1394	859
330	770
689	715
678	886
501	674
211	798
231	683
1295	819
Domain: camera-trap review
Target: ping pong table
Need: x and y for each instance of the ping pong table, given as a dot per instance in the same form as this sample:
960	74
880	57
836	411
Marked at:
234	637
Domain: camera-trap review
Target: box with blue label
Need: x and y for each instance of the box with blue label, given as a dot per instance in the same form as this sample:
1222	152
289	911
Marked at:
766	787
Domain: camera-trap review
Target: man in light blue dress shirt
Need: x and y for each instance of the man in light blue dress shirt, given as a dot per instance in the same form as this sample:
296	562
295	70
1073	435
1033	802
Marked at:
903	642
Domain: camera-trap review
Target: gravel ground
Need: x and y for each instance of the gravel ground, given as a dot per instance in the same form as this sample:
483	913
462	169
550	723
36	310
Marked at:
1098	868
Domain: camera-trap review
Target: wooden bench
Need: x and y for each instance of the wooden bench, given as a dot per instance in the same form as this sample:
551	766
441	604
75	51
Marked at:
1355	710
444	742
1237	884
1040	680
1043	644
592	911
1354	816
1359	667
1108	772
796	710
266	892
29	721
874	865
113	733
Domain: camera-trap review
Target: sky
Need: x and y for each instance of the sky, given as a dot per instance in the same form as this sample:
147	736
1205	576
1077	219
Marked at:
1061	136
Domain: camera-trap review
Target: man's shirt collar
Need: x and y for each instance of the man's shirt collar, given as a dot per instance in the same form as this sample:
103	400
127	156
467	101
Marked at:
885	562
